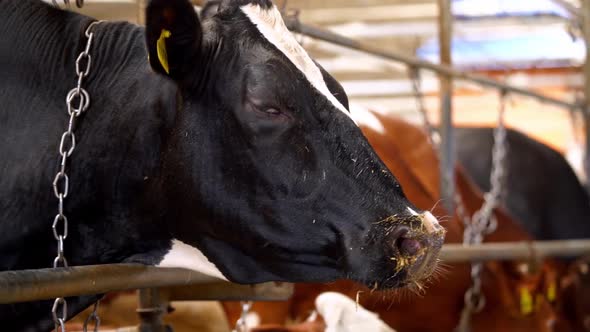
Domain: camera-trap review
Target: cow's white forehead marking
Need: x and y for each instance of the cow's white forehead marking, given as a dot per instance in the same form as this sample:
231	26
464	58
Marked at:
182	255
271	25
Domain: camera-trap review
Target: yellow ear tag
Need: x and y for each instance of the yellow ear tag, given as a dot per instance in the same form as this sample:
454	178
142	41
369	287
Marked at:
526	301
162	53
552	292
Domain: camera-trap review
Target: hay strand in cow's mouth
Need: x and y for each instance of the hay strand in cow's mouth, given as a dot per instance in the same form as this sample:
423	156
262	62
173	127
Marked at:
390	219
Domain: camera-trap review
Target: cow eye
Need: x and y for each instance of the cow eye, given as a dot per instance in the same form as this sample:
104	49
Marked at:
267	110
272	111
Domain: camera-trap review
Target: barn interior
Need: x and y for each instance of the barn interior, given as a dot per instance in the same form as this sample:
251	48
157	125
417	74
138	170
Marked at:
533	54
534	44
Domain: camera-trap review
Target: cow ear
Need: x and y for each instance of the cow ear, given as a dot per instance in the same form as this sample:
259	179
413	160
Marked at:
173	36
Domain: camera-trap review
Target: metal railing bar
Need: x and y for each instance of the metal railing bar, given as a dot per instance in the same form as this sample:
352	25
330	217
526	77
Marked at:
42	284
458	253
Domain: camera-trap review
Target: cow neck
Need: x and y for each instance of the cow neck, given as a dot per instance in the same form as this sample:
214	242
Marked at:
42	39
119	137
119	53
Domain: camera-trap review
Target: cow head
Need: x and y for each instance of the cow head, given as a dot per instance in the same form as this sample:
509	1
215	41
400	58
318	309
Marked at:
264	171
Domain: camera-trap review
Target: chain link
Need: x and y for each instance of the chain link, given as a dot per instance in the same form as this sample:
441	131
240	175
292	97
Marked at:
242	324
483	221
416	78
93	317
79	3
59	320
61	181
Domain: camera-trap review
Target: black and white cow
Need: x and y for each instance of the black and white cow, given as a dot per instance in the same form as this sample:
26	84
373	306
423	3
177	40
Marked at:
541	190
237	158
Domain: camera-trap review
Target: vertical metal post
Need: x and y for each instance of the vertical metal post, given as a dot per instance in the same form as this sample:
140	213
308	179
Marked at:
152	308
447	146
586	32
141	5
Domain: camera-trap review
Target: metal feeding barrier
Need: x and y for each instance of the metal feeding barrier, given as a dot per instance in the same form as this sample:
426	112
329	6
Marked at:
525	251
157	287
179	284
183	284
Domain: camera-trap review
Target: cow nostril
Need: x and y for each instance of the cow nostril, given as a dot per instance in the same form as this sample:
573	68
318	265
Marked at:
399	232
409	246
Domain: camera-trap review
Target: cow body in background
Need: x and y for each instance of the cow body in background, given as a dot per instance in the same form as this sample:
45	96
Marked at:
541	190
218	146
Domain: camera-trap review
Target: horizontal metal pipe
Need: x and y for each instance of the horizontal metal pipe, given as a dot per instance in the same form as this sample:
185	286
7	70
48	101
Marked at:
33	285
294	25
269	291
458	253
181	284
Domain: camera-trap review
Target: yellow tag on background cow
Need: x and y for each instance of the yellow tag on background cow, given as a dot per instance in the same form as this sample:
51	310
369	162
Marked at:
526	301
552	292
162	53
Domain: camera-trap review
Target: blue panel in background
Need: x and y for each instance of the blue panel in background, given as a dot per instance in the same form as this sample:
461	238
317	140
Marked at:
539	49
499	8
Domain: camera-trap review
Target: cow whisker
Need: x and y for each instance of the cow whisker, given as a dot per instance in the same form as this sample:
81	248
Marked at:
441	269
435	204
375	286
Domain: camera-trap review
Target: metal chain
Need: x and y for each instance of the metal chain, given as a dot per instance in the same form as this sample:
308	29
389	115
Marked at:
61	182
483	222
59	320
416	78
241	324
79	3
93	317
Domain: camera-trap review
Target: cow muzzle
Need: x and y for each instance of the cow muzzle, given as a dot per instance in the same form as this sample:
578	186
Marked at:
422	246
415	243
